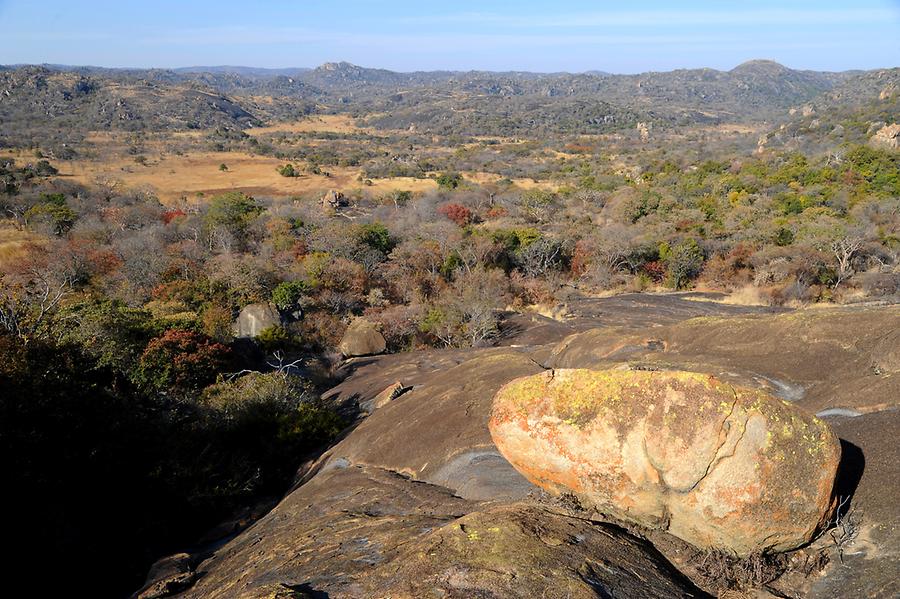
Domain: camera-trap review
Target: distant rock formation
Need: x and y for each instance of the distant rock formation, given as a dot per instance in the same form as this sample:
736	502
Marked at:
718	466
333	200
643	130
361	339
887	137
254	319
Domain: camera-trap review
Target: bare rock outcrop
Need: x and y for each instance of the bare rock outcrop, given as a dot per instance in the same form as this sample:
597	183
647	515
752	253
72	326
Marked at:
716	465
333	200
254	319
362	339
887	137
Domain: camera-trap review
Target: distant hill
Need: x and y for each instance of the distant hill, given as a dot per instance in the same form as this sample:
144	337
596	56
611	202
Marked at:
472	102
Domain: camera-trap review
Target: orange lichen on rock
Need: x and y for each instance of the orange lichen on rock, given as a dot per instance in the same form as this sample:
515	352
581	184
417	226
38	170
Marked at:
716	465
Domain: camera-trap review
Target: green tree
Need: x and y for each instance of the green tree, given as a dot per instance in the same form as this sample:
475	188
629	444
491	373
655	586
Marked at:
449	181
230	213
376	236
683	263
286	295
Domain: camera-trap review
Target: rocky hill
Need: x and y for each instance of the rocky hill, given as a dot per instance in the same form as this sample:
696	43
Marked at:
469	103
417	500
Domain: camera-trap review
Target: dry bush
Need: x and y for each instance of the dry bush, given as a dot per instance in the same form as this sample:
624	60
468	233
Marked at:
723	571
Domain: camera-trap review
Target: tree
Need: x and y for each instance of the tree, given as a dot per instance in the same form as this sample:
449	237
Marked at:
844	250
376	236
683	262
541	256
468	316
181	361
458	213
223	167
449	181
286	296
228	217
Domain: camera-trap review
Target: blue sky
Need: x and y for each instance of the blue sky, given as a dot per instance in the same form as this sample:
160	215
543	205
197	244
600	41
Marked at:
620	37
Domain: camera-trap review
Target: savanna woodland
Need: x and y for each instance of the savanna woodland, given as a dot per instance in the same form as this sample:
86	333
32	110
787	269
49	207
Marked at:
182	252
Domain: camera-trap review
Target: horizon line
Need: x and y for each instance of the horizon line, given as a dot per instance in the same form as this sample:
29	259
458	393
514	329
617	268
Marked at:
201	67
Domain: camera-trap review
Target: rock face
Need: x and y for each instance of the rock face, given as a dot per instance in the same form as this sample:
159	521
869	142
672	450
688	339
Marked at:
887	137
333	200
390	393
255	318
716	465
361	339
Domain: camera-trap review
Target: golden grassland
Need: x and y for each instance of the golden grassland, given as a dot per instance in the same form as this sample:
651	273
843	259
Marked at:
14	243
196	174
193	174
324	123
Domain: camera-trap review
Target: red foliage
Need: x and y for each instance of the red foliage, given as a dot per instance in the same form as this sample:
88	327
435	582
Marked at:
104	261
169	215
183	360
656	270
496	212
581	257
458	213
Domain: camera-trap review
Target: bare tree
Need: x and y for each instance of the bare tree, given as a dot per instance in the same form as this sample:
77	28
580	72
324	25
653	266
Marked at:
29	303
844	250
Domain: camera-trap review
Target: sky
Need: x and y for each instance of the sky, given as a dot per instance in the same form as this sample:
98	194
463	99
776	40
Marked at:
402	35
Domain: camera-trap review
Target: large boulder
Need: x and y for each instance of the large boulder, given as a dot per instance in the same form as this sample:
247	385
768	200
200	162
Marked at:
254	319
888	137
361	339
716	465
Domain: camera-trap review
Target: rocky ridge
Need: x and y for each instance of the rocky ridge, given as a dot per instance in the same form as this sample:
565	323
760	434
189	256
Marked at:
417	500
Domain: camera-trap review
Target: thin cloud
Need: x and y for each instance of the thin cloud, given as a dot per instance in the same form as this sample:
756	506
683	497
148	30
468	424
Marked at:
670	18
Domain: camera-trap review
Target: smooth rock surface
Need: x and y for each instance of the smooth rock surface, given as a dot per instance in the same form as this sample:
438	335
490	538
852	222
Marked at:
254	319
361	339
715	465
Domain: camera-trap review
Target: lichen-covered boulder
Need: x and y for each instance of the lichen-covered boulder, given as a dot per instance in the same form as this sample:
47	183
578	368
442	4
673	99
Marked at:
254	319
716	465
361	339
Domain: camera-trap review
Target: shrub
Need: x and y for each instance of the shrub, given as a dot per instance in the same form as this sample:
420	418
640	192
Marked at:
276	338
286	296
288	170
457	213
449	181
683	263
181	361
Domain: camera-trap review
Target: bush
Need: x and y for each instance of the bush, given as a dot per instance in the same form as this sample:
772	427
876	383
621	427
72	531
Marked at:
287	295
181	361
288	170
449	181
276	338
683	263
457	213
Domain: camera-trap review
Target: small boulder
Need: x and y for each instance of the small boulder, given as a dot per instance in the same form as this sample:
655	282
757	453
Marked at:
333	200
254	319
168	576
361	339
390	393
718	466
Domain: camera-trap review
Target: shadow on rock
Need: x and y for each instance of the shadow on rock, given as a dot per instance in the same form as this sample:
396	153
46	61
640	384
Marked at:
850	470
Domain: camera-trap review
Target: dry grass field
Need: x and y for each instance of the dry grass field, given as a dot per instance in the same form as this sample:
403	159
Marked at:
174	178
324	123
14	243
194	173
